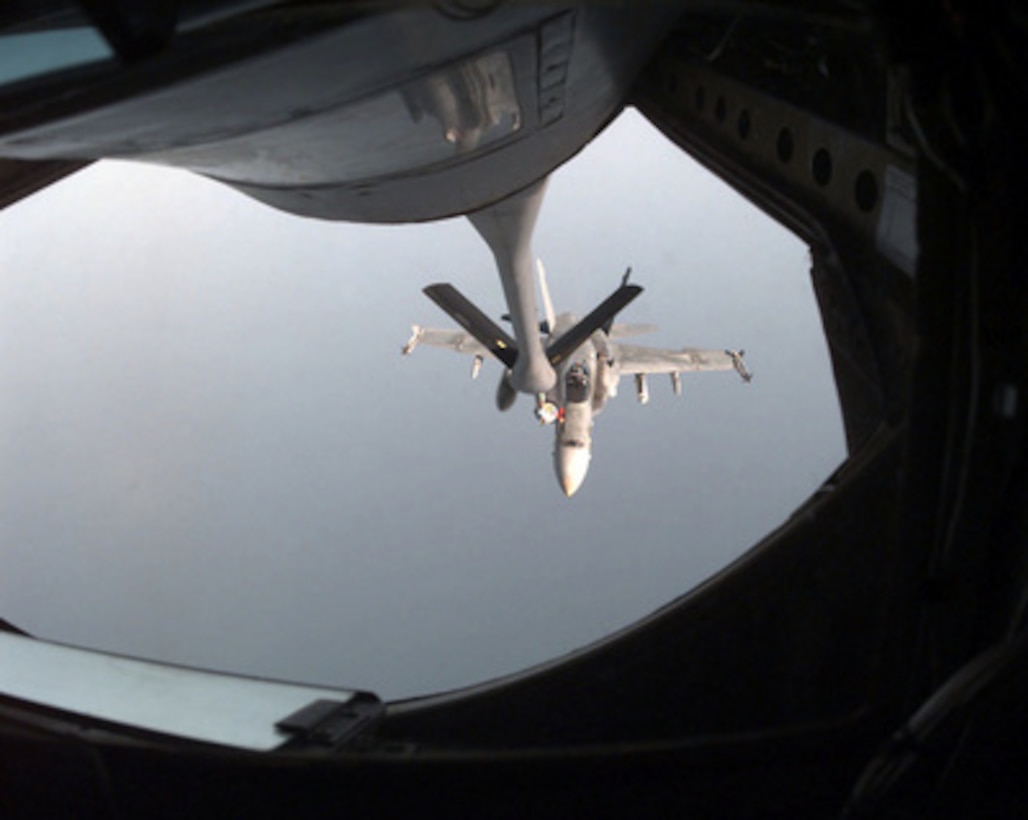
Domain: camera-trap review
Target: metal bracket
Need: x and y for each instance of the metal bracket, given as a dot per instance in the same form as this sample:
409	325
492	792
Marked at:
331	722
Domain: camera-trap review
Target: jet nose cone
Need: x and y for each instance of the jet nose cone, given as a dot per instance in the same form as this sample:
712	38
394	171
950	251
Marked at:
570	484
572	465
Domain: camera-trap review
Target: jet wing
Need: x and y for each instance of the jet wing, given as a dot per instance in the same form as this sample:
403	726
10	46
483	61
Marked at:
477	324
621	331
459	341
643	360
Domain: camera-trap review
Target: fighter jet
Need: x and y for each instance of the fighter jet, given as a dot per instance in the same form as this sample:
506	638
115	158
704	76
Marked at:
586	359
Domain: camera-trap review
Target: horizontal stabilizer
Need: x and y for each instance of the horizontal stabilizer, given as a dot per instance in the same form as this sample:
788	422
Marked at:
474	321
602	315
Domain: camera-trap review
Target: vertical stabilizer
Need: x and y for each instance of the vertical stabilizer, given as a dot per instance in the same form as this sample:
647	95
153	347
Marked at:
548	312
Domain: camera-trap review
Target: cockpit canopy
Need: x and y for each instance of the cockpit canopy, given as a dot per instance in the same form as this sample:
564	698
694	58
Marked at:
576	384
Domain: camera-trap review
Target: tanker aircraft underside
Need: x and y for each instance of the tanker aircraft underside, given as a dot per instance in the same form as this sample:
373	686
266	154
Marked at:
587	361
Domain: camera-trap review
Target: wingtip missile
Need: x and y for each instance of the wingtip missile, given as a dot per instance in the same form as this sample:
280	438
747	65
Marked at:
740	366
417	331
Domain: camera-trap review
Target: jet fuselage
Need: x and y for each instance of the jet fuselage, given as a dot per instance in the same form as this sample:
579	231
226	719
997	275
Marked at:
580	392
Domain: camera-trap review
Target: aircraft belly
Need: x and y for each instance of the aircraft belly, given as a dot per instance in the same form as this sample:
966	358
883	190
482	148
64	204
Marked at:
360	119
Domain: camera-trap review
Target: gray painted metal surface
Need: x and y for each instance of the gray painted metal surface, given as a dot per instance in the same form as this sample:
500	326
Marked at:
191	704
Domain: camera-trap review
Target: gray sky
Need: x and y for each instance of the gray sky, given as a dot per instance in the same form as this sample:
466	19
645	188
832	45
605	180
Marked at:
213	453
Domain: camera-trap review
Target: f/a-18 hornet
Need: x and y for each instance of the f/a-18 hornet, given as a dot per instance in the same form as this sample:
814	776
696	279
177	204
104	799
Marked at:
587	361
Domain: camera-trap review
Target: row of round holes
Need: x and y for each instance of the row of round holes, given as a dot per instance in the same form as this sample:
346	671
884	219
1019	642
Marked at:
865	187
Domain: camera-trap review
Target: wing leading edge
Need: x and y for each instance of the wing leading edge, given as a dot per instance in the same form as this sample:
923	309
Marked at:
459	341
634	359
